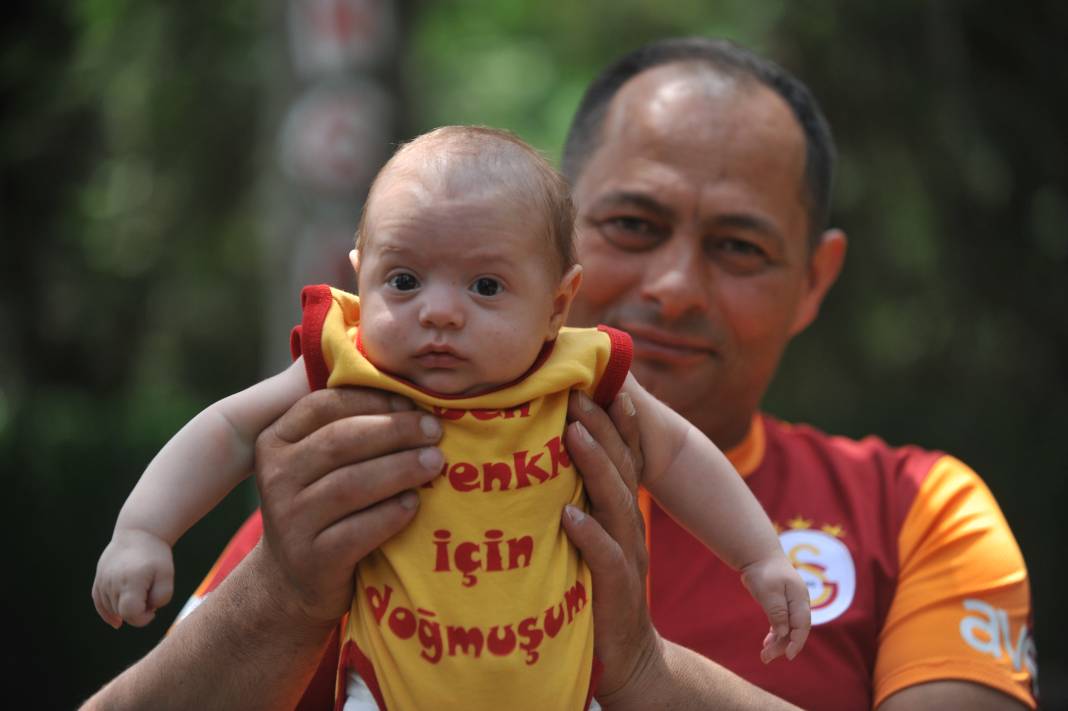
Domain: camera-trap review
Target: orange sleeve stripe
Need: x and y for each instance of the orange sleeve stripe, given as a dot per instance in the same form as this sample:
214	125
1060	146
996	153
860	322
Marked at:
962	605
239	546
645	507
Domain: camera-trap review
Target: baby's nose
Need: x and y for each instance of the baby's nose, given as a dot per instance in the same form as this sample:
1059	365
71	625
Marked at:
441	311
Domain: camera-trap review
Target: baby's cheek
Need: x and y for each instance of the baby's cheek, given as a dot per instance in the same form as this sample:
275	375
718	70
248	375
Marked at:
512	350
382	340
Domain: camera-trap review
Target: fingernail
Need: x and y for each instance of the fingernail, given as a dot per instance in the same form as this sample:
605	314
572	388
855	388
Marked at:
584	433
585	403
399	404
627	404
430	426
409	500
431	458
575	514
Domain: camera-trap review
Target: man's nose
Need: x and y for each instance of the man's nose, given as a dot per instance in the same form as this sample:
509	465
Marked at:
441	308
676	278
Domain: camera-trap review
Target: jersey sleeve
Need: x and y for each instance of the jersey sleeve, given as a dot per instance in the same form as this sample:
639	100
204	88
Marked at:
962	607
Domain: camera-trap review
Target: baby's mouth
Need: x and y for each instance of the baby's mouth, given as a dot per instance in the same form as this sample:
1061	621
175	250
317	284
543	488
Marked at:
438	356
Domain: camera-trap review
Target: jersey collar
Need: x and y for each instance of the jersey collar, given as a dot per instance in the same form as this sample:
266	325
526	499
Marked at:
747	454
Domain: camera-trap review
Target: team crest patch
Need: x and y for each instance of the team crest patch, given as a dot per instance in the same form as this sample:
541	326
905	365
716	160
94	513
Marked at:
825	565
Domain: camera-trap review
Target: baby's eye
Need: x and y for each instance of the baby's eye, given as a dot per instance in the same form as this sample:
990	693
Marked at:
486	286
403	282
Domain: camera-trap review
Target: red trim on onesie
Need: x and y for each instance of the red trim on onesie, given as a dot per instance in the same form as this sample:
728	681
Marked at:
321	693
352	657
595	677
294	342
315	302
618	366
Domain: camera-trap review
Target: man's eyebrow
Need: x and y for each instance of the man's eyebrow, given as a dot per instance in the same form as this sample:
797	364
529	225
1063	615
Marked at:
626	198
745	221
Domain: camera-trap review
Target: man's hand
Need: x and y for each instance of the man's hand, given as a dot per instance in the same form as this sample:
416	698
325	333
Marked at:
606	449
641	670
336	475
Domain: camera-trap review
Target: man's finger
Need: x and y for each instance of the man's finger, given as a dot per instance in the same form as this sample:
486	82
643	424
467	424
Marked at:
353	488
601	553
611	500
357	439
602	428
353	537
624	416
324	406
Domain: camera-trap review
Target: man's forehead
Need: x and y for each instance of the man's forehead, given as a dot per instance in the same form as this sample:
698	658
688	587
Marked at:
698	101
682	133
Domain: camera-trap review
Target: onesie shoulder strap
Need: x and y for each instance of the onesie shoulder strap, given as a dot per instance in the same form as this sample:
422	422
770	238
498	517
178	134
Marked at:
307	338
615	372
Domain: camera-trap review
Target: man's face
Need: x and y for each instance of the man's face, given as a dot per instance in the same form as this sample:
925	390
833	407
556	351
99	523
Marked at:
693	237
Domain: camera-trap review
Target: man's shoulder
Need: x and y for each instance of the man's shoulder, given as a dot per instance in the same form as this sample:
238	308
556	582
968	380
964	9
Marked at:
869	453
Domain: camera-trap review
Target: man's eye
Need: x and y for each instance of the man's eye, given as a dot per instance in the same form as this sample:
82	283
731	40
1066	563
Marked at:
738	246
486	286
740	256
631	224
403	282
632	234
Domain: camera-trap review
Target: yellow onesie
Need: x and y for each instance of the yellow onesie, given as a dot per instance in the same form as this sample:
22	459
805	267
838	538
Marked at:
481	602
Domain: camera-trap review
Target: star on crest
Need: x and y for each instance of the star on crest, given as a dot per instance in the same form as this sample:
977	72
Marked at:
799	523
835	530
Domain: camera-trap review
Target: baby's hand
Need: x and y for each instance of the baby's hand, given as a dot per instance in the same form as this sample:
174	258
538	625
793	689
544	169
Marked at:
783	595
134	578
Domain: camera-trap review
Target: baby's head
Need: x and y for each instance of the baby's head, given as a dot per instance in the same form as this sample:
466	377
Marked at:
464	260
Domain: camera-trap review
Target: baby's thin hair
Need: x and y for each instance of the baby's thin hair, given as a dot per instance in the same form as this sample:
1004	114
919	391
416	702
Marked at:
505	159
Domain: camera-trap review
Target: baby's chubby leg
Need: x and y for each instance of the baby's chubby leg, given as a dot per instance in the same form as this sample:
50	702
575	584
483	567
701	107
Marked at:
134	578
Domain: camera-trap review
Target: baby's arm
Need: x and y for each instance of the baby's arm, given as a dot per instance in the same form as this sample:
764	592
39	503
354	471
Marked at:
694	482
208	457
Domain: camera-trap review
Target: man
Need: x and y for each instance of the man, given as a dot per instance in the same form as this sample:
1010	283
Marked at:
701	175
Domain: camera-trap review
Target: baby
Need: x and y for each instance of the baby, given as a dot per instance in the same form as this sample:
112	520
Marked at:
465	271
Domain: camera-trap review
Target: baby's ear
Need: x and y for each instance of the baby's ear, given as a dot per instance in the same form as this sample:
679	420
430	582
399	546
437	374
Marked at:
354	259
565	294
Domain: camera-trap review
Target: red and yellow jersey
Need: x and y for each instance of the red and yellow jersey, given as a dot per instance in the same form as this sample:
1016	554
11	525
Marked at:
913	573
481	599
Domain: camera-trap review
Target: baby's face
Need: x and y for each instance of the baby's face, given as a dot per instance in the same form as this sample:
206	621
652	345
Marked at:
457	294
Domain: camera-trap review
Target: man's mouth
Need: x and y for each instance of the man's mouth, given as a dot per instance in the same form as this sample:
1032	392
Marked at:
670	348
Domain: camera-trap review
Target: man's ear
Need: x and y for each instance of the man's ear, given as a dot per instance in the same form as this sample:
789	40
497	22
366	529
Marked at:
565	294
824	265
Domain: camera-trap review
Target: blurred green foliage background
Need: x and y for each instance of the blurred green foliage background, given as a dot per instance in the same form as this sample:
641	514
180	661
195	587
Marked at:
134	136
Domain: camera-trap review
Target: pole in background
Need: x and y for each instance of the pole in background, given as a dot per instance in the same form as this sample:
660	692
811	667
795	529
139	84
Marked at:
336	129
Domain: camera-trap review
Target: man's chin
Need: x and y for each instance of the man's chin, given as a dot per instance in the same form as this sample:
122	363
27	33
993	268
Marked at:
666	384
